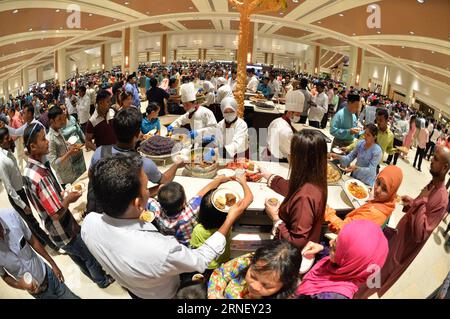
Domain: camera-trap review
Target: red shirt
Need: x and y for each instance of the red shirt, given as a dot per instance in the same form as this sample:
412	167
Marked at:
102	129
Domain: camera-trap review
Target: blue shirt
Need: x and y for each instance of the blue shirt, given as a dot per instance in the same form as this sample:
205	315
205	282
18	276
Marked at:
367	161
147	125
147	83
341	124
150	168
133	90
264	89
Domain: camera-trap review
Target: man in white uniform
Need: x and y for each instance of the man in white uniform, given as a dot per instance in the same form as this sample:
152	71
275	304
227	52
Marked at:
202	121
232	81
281	130
223	90
233	138
253	83
317	112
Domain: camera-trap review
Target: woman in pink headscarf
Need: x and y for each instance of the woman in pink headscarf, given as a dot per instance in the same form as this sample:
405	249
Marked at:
360	249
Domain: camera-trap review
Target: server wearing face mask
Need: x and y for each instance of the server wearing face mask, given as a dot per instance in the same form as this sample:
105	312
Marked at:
233	138
280	131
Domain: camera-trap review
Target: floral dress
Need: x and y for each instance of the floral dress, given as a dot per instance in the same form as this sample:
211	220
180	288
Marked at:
227	281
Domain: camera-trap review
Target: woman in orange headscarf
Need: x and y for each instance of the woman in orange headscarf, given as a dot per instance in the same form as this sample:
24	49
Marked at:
377	210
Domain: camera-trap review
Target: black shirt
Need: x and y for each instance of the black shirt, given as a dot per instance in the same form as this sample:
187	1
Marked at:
158	95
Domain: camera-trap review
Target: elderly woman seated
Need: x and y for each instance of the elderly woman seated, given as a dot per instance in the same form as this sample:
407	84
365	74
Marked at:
377	210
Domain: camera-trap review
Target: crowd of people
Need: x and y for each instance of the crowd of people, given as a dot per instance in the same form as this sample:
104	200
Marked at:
184	252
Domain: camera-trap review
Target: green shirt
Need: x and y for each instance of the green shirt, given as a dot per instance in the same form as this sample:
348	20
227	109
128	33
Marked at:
200	235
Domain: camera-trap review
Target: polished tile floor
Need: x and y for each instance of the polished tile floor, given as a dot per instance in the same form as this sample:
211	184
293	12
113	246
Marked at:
425	274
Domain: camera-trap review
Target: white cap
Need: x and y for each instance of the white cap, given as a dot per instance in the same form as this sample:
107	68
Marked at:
187	92
208	86
228	103
221	81
295	101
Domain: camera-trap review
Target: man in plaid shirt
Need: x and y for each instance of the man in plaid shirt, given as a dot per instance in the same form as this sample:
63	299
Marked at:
175	217
46	195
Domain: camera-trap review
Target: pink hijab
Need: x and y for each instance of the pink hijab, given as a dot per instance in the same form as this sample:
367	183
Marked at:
360	243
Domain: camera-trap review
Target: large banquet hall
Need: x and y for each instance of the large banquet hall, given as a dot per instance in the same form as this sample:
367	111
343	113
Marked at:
225	149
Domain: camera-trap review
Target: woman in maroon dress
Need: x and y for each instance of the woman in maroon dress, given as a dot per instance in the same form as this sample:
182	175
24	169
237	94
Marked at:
300	216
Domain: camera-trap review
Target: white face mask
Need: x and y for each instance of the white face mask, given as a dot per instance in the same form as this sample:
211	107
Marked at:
191	110
229	117
295	119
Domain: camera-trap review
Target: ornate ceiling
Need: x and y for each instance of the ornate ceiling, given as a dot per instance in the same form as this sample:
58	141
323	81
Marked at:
413	36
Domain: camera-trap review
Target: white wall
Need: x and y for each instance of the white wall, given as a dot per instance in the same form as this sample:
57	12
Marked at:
402	81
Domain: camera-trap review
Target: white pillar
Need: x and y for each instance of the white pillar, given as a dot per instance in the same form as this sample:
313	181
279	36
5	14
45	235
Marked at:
6	89
106	57
134	52
25	80
60	65
352	68
310	59
40	74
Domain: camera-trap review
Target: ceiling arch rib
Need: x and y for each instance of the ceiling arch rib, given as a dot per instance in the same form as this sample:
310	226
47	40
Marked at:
277	20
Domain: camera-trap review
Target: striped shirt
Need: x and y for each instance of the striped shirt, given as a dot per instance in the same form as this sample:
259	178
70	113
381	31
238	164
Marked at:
44	192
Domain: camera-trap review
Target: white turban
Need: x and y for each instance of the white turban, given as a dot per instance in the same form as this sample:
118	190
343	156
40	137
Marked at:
221	81
208	86
228	102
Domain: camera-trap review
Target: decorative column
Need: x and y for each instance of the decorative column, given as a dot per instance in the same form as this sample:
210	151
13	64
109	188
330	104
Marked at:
6	89
205	51
25	80
130	57
164	49
59	64
355	66
246	8
148	56
106	58
317	61
40	74
175	54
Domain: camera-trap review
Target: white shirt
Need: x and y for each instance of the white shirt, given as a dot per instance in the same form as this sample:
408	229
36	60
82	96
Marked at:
223	92
275	87
140	258
83	109
90	92
279	138
253	84
235	138
232	83
203	121
11	177
210	98
435	136
316	112
70	107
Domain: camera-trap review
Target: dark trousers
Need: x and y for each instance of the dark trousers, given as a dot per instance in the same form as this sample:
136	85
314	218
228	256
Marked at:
420	153
32	223
430	147
80	254
83	127
92	109
323	123
395	155
315	124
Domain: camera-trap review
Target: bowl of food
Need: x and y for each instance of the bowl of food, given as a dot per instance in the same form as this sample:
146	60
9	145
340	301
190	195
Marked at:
202	166
356	190
78	187
333	174
72	140
159	147
224	198
338	151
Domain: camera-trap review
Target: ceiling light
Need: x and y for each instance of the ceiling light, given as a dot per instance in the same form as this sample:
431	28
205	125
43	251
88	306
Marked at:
341	14
421	1
411	32
127	3
379	32
190	8
432	52
15	11
90	14
319	22
30	29
57	10
403	47
353	33
295	1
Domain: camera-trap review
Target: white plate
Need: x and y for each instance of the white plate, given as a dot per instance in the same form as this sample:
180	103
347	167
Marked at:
348	182
72	140
306	265
337	151
227	172
222	192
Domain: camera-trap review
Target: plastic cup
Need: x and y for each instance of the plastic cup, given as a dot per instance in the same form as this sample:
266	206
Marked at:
27	278
240	172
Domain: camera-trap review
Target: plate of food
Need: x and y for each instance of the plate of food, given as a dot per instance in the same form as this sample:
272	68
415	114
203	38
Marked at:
159	147
182	138
226	172
336	150
356	190
402	149
251	169
224	198
333	174
306	265
72	140
78	187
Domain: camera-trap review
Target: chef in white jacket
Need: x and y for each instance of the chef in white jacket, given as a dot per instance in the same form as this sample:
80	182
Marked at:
202	121
233	138
223	90
281	129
